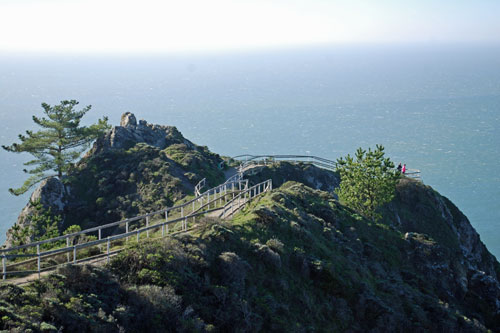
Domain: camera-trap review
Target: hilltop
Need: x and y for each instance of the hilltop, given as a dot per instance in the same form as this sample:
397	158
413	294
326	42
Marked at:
294	259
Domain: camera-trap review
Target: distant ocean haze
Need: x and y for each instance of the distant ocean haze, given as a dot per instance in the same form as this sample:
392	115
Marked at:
435	108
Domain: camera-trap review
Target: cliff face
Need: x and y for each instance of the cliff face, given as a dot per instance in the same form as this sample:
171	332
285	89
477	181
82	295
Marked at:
50	194
446	250
419	208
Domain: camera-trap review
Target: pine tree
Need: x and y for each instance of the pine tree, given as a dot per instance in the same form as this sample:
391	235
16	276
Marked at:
367	181
58	144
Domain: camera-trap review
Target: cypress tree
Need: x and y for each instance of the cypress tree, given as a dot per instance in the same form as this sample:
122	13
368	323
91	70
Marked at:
58	144
367	181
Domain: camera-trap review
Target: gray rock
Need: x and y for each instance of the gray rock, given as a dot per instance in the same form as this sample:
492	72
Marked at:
50	193
128	120
130	133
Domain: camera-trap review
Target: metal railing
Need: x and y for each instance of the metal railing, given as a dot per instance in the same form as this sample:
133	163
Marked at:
234	178
199	186
413	173
249	161
211	200
244	196
228	198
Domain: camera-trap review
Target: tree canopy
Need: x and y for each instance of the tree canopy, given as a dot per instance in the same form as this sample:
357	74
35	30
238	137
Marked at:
367	181
58	144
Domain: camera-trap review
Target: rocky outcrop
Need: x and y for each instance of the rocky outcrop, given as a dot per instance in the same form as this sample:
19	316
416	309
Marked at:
134	168
50	193
131	132
418	208
445	248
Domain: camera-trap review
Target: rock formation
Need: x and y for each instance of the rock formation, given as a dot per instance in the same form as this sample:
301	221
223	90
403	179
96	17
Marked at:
51	194
130	133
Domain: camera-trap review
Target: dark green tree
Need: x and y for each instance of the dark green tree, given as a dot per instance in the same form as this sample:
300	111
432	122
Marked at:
367	181
58	144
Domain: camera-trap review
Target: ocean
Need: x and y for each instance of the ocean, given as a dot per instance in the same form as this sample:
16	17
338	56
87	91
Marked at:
434	107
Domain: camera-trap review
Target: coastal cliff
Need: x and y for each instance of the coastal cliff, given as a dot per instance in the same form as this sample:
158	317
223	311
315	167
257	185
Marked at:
294	259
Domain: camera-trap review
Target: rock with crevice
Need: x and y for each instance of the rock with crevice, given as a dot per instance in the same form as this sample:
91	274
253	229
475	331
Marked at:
51	194
130	132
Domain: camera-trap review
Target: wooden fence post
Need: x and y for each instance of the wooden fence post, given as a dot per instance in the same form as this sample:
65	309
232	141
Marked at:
38	258
100	246
4	267
67	246
166	219
107	251
126	229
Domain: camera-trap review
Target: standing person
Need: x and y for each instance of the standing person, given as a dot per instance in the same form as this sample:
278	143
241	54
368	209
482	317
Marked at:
399	167
404	168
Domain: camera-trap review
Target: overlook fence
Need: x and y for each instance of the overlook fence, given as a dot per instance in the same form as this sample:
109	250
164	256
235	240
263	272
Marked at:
248	162
228	198
87	245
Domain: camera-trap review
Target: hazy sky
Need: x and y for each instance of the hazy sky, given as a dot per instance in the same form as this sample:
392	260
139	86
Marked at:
185	25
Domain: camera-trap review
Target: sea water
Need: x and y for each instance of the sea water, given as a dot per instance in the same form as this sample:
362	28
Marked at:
434	107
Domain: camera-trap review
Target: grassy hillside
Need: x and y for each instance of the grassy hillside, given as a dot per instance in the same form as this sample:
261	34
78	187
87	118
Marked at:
119	183
293	260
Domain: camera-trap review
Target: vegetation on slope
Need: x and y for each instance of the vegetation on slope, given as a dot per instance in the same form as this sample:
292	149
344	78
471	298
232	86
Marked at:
119	183
293	260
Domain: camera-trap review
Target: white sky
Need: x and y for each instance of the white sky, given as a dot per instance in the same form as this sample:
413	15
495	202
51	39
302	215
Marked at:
186	25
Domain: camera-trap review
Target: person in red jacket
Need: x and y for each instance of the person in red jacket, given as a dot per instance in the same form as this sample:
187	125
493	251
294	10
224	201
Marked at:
404	168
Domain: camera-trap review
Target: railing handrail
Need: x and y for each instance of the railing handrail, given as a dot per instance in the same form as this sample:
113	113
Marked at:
113	224
253	157
111	238
36	257
201	184
311	159
235	184
229	204
321	162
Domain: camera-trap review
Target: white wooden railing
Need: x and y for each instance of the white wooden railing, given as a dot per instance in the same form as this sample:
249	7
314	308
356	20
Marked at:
199	186
225	199
214	199
240	199
413	173
249	162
